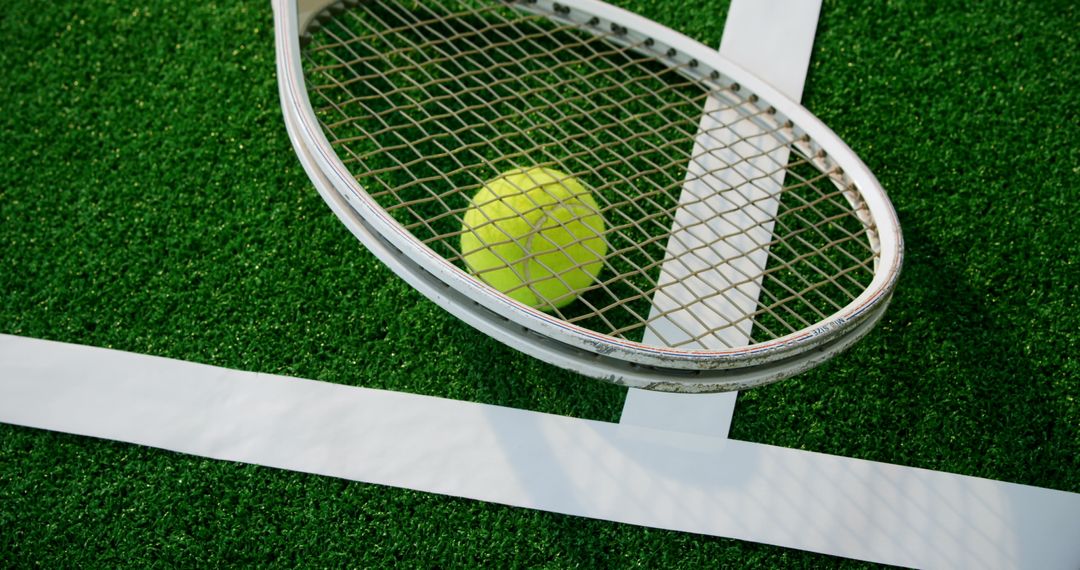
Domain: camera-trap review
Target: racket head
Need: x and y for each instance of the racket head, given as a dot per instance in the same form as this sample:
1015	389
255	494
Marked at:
563	341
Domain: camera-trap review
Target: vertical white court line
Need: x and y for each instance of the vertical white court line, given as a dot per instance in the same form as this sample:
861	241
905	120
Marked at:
772	39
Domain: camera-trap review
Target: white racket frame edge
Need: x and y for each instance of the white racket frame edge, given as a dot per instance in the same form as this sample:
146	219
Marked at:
545	336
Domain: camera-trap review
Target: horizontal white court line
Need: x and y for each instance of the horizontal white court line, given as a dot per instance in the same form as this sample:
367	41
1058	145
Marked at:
786	497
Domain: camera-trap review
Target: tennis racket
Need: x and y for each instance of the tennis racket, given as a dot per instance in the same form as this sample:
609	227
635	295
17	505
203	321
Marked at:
741	242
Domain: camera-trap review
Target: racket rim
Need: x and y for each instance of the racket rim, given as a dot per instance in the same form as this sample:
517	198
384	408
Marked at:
877	293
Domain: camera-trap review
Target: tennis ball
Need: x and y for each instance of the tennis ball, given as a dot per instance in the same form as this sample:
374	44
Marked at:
536	235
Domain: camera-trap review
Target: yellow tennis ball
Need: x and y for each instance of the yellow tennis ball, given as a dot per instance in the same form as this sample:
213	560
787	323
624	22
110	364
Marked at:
535	234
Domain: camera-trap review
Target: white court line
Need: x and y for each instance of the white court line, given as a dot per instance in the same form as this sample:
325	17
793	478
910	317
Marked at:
773	39
810	501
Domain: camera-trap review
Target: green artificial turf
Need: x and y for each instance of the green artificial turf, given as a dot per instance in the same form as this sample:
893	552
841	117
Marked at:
150	201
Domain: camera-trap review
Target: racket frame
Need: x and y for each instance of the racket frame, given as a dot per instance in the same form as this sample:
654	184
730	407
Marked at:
545	336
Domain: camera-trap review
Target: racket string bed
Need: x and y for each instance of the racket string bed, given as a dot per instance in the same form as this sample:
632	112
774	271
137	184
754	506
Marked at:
426	102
